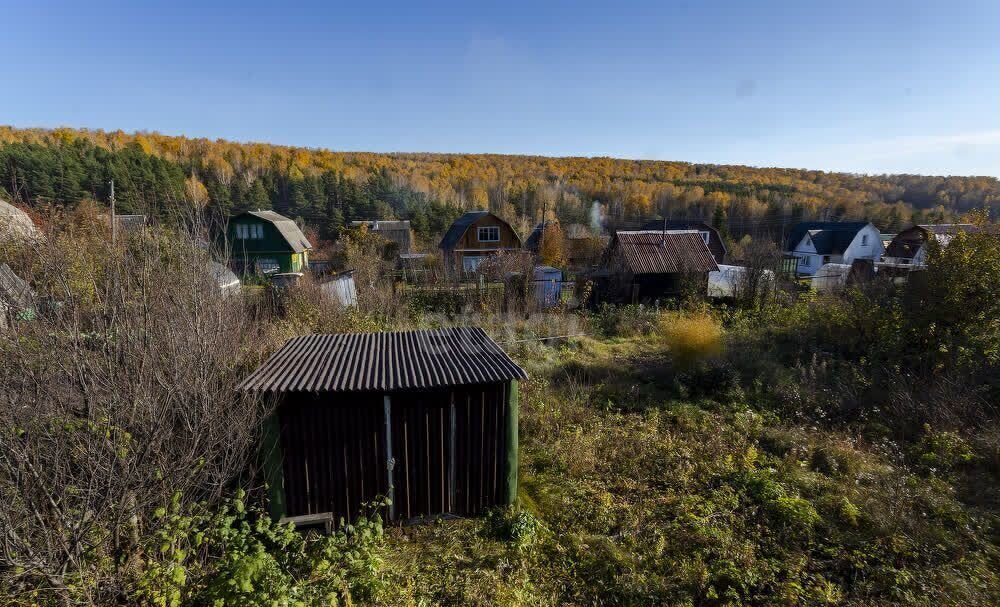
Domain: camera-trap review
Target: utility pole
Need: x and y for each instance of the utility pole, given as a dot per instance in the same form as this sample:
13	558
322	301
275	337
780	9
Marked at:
114	222
541	235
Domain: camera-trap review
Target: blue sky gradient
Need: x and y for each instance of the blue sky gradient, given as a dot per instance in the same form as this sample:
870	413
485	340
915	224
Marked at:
875	86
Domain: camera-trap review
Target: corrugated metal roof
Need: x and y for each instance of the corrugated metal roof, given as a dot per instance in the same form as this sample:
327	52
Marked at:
15	223
652	252
384	362
288	229
14	291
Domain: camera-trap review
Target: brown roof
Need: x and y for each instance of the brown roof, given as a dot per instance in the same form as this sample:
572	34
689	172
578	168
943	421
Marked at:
384	362
653	252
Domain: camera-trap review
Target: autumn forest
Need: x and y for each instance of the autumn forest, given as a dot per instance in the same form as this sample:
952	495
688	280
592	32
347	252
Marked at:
158	174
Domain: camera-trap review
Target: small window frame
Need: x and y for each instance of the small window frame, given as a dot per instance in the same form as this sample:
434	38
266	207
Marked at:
488	230
268	265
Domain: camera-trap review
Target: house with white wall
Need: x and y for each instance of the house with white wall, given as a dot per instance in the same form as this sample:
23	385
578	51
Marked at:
815	243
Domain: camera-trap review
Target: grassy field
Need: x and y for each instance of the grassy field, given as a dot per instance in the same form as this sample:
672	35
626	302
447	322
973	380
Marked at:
638	490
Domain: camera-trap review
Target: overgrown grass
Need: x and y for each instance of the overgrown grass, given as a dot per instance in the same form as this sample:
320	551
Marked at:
633	494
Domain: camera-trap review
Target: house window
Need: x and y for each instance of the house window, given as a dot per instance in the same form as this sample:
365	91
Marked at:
806	261
864	240
268	265
471	263
826	259
489	234
253	231
704	236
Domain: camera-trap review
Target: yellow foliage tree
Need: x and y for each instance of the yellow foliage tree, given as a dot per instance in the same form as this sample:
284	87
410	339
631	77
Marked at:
552	249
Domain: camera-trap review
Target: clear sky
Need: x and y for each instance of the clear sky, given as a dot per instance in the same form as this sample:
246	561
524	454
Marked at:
867	86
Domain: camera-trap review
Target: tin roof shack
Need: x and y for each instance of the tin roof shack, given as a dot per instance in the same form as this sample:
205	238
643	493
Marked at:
398	232
708	233
223	278
340	288
264	242
427	418
474	237
650	265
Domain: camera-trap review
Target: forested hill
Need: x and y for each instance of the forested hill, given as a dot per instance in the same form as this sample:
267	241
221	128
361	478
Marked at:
155	173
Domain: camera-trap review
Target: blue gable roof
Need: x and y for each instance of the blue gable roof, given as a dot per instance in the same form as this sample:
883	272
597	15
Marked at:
829	237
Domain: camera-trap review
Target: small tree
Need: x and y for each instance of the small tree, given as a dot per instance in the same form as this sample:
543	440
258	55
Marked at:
754	288
552	249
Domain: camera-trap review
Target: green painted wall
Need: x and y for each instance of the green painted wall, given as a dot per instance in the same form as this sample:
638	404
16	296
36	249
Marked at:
247	251
512	441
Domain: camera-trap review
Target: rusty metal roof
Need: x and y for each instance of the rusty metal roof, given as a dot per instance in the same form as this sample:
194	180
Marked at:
384	362
656	252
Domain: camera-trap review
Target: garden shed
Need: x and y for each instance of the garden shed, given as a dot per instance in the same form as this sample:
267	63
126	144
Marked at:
427	418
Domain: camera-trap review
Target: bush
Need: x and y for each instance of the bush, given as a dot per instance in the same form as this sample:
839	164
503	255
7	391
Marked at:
514	525
691	339
238	557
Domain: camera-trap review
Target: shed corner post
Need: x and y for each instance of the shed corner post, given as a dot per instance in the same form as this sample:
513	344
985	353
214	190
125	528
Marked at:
512	442
274	476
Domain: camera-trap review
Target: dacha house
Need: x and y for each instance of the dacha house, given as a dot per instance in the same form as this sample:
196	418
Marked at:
474	237
426	418
264	242
909	247
815	243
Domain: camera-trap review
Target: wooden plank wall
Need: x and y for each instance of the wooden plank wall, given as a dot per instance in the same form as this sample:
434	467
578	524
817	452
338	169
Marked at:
334	452
428	481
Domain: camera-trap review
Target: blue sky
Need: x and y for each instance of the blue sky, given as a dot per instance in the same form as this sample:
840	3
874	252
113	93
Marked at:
873	86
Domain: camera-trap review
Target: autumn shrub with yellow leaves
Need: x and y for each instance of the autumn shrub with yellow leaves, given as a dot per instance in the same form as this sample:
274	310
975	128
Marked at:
691	338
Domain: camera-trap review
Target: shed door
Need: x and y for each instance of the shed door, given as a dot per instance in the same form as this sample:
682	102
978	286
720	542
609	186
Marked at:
450	450
334	453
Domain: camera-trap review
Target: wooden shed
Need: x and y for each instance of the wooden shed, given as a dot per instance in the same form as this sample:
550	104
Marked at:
426	418
707	232
643	266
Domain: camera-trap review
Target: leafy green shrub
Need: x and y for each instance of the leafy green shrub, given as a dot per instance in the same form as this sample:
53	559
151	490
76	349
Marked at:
514	525
236	556
942	452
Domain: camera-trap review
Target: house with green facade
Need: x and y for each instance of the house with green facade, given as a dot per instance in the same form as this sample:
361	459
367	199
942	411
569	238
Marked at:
264	242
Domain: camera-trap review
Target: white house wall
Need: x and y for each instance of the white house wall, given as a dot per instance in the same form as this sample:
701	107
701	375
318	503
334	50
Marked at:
872	250
805	251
